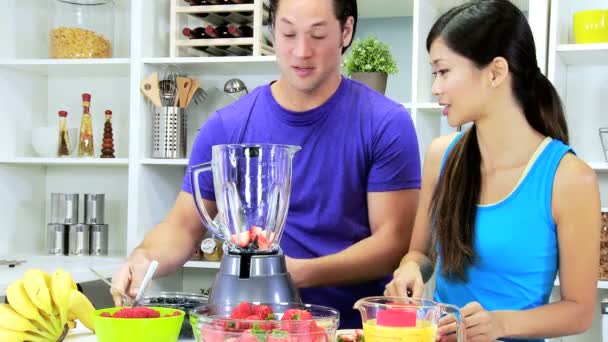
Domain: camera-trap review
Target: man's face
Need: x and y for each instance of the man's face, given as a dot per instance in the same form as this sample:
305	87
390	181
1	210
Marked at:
308	42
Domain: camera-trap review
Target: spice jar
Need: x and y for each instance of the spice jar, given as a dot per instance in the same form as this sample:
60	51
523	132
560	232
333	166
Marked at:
85	142
81	29
63	149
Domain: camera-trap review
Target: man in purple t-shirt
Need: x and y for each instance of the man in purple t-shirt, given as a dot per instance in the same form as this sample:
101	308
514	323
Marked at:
355	182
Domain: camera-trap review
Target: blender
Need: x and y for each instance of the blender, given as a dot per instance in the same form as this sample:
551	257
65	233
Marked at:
252	185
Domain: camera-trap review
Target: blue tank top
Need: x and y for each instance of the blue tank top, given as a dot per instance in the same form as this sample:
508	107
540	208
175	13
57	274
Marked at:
515	243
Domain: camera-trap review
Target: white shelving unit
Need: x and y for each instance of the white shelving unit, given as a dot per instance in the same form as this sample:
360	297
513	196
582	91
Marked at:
579	73
139	189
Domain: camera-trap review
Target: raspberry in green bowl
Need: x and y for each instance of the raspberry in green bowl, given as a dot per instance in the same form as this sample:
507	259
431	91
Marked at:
164	328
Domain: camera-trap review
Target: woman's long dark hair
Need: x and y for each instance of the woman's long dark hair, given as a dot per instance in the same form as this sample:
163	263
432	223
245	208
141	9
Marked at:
481	31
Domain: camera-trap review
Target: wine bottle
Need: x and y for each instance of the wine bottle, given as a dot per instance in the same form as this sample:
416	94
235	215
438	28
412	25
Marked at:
218	32
197	2
242	31
197	33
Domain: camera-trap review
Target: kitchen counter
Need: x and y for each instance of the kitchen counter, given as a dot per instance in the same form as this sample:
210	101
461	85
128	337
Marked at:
77	266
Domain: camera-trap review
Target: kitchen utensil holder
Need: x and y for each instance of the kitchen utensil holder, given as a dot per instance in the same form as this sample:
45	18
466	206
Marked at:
169	135
604	140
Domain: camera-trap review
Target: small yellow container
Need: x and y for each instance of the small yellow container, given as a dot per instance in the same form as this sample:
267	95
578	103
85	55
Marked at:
590	27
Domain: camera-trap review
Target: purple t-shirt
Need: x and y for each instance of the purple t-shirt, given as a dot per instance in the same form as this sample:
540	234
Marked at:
357	142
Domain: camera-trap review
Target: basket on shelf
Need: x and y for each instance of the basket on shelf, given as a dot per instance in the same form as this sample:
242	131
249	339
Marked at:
239	28
603	272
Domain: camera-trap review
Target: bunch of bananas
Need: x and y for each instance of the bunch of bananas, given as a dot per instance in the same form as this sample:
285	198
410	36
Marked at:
43	308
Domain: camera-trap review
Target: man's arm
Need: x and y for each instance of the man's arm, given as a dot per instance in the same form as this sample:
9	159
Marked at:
391	216
173	241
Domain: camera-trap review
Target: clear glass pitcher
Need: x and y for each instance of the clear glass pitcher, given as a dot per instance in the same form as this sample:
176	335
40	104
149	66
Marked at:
252	185
403	319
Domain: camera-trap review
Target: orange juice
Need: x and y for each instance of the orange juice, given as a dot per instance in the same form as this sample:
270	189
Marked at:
423	332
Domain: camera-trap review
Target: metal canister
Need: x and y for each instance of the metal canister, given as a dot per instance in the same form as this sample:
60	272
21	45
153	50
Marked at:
57	239
57	208
94	205
71	211
99	239
79	239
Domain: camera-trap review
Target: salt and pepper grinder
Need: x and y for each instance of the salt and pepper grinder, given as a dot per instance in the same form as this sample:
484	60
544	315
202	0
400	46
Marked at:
85	143
63	147
107	147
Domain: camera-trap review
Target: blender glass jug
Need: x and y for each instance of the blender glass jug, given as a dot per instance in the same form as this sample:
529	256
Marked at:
403	319
252	185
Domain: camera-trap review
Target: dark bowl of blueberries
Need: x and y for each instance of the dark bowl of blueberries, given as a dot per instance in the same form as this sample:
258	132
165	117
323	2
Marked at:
177	300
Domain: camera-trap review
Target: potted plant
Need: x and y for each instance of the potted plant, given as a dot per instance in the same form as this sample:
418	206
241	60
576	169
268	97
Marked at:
370	61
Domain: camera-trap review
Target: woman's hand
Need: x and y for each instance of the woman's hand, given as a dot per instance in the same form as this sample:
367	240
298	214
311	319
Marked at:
407	281
481	325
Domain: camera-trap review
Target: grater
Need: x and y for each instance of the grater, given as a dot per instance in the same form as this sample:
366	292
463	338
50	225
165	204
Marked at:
169	135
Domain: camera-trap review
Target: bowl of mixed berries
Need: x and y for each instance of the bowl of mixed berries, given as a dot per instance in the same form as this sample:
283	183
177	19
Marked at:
254	322
140	323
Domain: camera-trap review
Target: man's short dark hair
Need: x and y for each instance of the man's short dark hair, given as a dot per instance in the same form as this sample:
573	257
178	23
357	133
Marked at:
342	9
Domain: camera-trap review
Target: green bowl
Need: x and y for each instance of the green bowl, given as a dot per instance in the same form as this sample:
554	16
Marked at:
162	329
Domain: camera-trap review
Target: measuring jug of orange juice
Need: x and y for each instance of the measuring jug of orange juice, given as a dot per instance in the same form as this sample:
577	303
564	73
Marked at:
403	319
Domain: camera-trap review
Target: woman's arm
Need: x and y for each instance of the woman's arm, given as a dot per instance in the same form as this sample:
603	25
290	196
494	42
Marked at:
576	210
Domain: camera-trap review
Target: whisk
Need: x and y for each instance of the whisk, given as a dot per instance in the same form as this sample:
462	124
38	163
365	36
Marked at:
167	84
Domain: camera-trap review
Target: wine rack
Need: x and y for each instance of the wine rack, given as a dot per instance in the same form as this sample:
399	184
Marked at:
206	18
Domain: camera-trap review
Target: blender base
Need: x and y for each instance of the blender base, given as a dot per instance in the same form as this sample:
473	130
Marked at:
253	278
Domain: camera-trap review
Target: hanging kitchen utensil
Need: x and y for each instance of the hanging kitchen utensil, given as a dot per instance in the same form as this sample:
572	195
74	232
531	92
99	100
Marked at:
193	87
168	84
149	87
183	89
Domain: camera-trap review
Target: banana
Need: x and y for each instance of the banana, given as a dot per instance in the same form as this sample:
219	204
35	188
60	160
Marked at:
82	309
71	324
11	320
61	286
21	303
37	290
34	282
7	335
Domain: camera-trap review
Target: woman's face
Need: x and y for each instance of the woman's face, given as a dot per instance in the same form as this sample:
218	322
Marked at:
458	84
308	42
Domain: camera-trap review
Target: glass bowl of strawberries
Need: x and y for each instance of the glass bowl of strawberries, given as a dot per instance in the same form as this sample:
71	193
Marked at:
254	322
140	323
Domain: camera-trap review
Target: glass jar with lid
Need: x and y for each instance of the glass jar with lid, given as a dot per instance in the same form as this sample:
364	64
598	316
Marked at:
81	28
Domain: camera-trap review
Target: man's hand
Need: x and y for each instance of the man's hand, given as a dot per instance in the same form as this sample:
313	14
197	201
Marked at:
129	277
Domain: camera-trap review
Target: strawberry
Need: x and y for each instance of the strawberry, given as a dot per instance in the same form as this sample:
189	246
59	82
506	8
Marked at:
247	336
241	239
346	338
359	334
263	244
255	230
243	310
225	325
263	311
105	314
210	334
291	318
277	336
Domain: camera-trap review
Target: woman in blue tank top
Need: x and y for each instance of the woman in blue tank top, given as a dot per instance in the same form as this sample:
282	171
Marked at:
506	204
